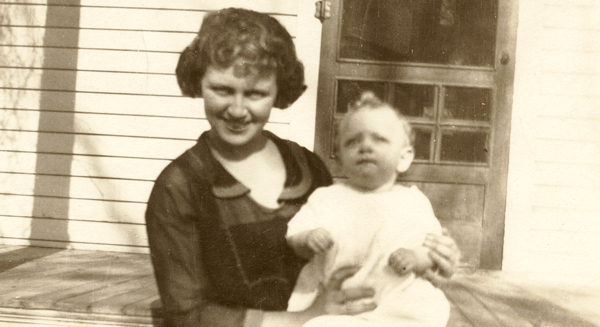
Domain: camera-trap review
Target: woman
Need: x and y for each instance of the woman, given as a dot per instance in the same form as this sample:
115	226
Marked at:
217	215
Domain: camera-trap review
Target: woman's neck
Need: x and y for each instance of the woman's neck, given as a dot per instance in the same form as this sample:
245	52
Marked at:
231	152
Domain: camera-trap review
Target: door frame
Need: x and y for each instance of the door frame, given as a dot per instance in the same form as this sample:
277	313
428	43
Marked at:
502	82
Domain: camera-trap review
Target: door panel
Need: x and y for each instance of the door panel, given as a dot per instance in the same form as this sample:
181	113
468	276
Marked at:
445	64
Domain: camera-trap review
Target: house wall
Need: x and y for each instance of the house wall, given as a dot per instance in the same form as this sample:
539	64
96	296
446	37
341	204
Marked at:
553	212
91	112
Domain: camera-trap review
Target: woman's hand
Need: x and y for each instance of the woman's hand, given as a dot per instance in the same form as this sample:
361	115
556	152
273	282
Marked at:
333	300
444	254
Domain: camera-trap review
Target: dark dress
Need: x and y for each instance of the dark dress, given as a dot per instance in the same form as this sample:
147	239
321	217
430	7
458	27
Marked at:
215	251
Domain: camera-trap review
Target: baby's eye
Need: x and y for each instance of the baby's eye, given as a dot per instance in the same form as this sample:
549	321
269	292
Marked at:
351	142
380	139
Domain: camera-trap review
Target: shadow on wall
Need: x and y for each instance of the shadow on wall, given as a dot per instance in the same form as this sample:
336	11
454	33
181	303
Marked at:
51	210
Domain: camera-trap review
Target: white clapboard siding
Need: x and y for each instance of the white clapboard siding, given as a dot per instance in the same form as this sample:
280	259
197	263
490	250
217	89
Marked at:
85	232
97	59
80	187
282	7
83	165
99	145
565	219
556	215
78	209
113	18
567	174
91	114
116	104
575	152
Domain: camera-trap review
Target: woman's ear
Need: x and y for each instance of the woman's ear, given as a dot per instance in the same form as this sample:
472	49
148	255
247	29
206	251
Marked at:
406	158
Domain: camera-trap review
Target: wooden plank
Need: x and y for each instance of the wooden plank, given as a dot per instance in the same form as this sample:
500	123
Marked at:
155	41
116	146
150	19
113	146
13	56
563	174
288	7
285	6
86	233
80	187
19	119
571	151
572	17
92	60
21	78
136	19
122	294
150	300
565	106
90	166
22	35
127	61
570	84
574	219
469	306
23	14
563	61
132	105
117	125
532	308
25	206
571	39
565	263
566	197
98	103
565	128
97	82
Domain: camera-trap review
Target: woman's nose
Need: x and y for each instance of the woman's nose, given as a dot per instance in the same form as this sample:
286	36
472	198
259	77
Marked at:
237	107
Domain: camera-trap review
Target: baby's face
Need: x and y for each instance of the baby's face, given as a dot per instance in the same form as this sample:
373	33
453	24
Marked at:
371	145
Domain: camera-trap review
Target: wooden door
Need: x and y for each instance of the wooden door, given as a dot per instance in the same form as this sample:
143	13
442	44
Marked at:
448	66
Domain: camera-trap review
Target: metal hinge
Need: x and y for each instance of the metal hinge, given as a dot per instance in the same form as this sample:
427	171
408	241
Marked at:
323	10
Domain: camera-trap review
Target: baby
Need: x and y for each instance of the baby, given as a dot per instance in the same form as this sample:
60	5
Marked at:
372	222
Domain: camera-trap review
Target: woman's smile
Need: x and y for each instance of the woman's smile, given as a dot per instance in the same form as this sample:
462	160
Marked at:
237	106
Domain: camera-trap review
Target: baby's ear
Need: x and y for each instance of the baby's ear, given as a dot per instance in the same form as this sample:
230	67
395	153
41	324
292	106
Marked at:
406	158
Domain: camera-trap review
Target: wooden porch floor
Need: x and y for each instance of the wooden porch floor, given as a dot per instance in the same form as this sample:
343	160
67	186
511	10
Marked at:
50	287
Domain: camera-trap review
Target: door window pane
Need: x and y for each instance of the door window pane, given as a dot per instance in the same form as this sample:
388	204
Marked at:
467	103
464	146
415	100
448	32
350	91
422	143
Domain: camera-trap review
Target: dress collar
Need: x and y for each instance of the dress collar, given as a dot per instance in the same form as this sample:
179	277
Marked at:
224	185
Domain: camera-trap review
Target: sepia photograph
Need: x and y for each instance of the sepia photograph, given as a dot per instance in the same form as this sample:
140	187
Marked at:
300	163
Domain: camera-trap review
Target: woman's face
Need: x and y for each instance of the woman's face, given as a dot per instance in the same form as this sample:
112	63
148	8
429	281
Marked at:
237	103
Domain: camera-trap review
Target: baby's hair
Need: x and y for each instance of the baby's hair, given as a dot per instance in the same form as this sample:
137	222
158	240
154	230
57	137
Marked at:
368	100
233	34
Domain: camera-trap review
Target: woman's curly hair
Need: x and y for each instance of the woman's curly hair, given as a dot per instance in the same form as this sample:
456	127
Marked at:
258	39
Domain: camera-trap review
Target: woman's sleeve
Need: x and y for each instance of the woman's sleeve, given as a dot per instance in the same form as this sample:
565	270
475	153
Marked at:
176	258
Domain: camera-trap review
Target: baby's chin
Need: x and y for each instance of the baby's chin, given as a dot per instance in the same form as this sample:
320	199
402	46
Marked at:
369	184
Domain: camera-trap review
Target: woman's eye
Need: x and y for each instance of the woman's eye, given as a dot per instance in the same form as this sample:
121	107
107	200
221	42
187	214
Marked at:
255	95
222	91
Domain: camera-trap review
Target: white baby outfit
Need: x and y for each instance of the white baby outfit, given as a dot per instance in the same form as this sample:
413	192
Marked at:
366	228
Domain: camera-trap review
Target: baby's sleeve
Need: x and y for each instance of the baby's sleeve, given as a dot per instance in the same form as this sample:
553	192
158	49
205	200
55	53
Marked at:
430	221
307	217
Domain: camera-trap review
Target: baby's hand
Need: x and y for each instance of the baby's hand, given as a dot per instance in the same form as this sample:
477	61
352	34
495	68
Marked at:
403	261
319	240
